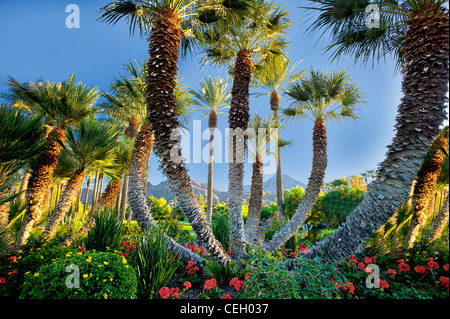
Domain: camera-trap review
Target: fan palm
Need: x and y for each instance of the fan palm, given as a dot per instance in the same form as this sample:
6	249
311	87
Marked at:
62	104
245	47
212	98
319	96
424	52
92	142
272	77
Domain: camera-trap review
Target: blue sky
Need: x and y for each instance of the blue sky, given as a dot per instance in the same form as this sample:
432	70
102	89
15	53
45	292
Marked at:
35	42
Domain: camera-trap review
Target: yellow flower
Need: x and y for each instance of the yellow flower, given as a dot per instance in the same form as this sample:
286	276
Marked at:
69	254
105	263
99	265
107	248
80	253
85	275
104	280
89	259
124	260
27	273
110	279
36	274
105	295
126	266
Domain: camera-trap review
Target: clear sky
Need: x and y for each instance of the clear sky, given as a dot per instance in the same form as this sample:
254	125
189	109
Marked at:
35	42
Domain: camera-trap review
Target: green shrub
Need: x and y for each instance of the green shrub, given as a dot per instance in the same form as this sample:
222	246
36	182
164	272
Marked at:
270	279
175	230
106	234
91	275
222	273
268	211
154	262
220	225
159	208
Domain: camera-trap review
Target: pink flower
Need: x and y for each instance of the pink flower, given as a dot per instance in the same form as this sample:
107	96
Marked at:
187	285
164	292
210	283
227	296
391	272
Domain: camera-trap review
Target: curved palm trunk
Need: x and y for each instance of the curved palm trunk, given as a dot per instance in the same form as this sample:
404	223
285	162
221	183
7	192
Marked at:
209	193
440	221
39	183
238	121
162	68
315	183
64	203
88	184
274	106
124	197
143	145
255	202
419	116
425	188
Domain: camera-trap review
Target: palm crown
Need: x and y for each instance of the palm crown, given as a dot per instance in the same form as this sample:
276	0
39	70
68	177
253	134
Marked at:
213	95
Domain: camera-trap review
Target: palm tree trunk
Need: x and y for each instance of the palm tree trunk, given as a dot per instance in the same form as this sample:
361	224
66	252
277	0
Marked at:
440	221
124	198
238	121
39	183
210	193
315	183
118	199
94	191
425	86
24	184
255	202
88	184
64	203
274	106
162	68
425	187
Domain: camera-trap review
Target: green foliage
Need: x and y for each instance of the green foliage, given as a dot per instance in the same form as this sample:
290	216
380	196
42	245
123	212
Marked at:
159	208
106	234
222	273
101	276
220	226
268	211
5	241
154	261
175	230
292	199
271	279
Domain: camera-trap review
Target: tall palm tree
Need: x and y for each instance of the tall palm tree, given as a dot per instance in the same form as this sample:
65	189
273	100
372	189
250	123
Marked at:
425	186
20	140
212	98
165	22
63	104
319	96
272	77
424	63
91	142
261	134
244	47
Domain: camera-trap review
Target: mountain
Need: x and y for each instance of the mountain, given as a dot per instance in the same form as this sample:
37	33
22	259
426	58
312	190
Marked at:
270	185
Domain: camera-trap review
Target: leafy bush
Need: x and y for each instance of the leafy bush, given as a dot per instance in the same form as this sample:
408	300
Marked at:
271	279
159	208
222	273
292	198
91	275
220	225
154	262
175	230
268	211
106	234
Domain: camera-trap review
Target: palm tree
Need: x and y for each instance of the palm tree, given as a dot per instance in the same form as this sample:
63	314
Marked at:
20	141
92	142
261	134
424	62
425	186
320	96
212	98
244	47
272	77
63	104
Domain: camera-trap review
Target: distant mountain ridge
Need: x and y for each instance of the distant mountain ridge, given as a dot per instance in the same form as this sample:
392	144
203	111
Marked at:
162	189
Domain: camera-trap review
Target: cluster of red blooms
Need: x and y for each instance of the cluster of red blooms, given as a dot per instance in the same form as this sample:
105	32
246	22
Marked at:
195	249
127	246
10	259
348	286
166	292
301	248
362	265
210	283
190	269
236	283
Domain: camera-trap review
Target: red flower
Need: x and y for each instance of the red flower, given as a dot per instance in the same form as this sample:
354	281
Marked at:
293	254
174	292
362	266
391	272
348	286
191	270
302	248
335	282
12	258
433	264
236	283
283	251
403	267
12	272
164	292
2	280
227	296
400	261
353	260
187	285
369	260
210	283
445	267
383	284
420	270
247	275
229	252
444	282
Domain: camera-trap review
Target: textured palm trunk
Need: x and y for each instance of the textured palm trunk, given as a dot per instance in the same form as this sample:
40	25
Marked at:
124	197
315	183
162	68
425	85
212	123
39	183
425	187
238	120
275	106
64	203
24	184
137	199
88	184
255	202
440	221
